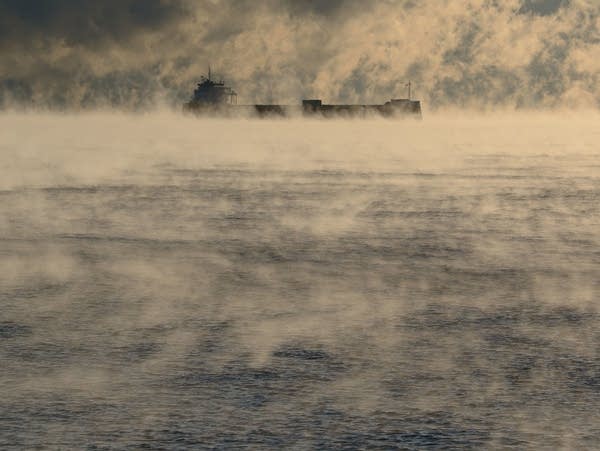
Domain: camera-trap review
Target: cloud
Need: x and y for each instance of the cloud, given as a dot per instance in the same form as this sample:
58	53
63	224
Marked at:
542	7
84	23
136	54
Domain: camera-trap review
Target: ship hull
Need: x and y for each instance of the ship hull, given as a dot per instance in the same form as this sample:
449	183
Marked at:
392	109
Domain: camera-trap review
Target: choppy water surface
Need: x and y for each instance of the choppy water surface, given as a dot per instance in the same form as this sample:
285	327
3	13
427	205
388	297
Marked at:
191	301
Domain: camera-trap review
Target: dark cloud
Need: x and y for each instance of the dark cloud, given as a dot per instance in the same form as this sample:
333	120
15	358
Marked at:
542	7
84	22
329	9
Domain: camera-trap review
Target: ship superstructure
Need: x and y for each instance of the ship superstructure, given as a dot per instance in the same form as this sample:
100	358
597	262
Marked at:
211	96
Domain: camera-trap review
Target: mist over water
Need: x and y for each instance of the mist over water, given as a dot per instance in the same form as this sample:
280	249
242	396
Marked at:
176	282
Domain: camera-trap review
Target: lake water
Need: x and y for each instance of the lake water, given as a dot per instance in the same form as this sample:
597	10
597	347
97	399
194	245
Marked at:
178	283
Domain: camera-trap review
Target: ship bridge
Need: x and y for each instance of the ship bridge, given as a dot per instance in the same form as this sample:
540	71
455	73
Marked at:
210	92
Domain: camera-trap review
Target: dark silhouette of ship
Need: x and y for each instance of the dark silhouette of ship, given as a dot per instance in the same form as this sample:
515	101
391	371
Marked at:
215	98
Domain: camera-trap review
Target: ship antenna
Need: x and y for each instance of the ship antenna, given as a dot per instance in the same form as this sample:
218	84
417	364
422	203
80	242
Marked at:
409	85
209	72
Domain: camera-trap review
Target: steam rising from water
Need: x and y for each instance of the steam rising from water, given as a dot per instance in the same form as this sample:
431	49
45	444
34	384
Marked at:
172	281
131	54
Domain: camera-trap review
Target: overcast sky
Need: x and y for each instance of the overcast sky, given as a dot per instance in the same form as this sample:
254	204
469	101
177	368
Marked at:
140	53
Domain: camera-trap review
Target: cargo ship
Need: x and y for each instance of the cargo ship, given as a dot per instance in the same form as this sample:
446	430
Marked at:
213	97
